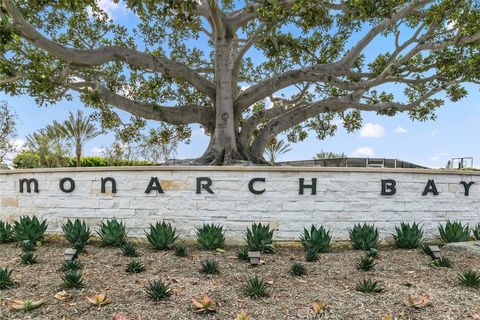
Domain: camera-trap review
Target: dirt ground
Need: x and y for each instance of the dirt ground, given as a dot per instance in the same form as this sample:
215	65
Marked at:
332	279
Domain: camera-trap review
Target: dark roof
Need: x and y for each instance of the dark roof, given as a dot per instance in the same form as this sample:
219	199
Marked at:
353	162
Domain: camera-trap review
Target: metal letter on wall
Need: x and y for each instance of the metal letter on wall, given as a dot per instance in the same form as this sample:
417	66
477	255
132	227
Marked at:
29	182
312	186
388	187
467	187
104	182
154	184
206	186
430	187
252	182
71	185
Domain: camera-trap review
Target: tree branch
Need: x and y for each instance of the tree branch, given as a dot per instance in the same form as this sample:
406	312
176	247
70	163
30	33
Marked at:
239	58
100	56
179	115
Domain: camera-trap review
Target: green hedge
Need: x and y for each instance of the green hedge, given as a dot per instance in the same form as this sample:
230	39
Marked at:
27	160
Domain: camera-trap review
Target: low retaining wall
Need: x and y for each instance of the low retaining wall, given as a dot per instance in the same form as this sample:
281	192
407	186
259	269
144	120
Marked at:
289	198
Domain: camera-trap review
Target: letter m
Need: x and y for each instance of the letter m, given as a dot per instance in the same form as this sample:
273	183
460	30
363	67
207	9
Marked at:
29	183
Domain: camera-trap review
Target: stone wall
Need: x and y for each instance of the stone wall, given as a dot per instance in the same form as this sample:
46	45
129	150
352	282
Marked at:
344	196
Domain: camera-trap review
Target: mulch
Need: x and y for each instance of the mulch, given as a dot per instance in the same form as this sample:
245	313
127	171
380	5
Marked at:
331	280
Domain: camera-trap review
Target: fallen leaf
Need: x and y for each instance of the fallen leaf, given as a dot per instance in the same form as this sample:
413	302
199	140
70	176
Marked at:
62	295
204	305
25	304
319	307
270	282
220	250
415	302
120	316
302	281
99	299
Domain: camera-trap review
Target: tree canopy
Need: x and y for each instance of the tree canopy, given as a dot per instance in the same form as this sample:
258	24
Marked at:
246	71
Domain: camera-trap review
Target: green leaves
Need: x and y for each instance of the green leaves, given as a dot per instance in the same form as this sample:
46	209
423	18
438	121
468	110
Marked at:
112	233
260	238
29	229
77	234
316	239
364	237
162	235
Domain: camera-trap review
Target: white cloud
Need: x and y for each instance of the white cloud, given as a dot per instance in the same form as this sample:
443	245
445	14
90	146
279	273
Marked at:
18	143
97	151
400	130
364	152
372	130
112	9
435	159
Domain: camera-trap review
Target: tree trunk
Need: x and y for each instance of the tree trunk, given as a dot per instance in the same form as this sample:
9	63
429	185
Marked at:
78	153
223	145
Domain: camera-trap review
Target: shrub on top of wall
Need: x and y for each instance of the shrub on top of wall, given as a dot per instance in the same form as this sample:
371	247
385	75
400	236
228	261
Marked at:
30	160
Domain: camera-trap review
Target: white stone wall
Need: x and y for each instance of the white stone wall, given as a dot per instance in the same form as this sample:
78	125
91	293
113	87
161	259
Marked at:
344	197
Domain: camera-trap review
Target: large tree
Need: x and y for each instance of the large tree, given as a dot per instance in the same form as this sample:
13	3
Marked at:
246	71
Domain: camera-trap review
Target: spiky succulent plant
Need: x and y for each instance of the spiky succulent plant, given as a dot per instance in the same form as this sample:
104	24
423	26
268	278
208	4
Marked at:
72	279
161	235
129	250
209	266
318	239
368	286
181	250
298	269
28	258
77	234
210	236
6	232
408	236
70	265
311	255
255	288
365	263
135	267
112	233
242	254
364	237
470	279
260	238
6	281
158	290
29	228
454	232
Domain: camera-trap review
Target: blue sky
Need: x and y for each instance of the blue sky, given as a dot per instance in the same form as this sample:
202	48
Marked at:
455	133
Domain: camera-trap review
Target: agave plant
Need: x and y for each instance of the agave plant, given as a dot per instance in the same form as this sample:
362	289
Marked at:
158	290
161	235
210	236
364	237
318	239
476	232
454	232
29	228
5	278
112	233
470	279
6	232
408	236
260	238
255	288
77	234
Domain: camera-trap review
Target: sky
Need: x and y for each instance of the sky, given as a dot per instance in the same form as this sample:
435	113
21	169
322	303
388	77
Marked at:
455	133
